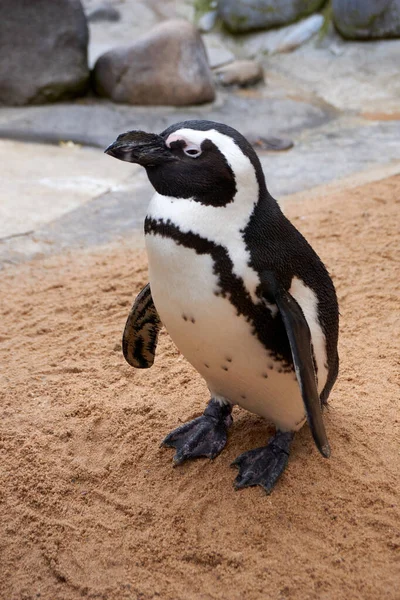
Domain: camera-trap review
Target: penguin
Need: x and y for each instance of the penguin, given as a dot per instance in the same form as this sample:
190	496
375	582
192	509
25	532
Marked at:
240	291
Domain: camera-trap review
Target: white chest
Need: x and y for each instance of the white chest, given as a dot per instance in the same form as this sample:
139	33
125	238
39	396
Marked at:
220	344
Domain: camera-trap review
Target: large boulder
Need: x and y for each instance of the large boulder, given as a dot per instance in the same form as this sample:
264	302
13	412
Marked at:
168	65
367	19
248	15
43	51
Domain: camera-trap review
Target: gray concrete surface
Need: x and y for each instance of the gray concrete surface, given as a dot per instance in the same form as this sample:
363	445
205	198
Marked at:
41	183
72	197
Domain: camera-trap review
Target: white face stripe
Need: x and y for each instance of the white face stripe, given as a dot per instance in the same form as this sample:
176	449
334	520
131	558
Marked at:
223	224
309	305
238	161
189	145
174	137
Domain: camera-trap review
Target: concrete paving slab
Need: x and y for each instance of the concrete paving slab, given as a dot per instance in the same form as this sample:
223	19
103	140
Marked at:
351	76
40	183
330	153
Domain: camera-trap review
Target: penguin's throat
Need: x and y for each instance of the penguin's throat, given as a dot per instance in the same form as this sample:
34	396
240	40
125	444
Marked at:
212	222
206	229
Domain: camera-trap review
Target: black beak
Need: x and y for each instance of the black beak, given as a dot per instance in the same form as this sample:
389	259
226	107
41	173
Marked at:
146	149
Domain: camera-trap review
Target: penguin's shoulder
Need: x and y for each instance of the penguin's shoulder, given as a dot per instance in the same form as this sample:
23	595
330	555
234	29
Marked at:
275	244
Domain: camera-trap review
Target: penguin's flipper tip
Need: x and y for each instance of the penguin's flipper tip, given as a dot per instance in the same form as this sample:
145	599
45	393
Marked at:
325	451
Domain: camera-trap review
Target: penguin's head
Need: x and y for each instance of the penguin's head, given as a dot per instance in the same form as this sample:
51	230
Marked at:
202	160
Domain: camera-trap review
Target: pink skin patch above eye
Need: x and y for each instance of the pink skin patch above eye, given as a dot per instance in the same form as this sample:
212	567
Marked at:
175	137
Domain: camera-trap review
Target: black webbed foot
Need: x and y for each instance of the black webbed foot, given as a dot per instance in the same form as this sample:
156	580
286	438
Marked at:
263	466
204	436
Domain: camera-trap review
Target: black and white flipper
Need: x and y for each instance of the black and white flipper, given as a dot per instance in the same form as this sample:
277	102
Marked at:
139	340
299	336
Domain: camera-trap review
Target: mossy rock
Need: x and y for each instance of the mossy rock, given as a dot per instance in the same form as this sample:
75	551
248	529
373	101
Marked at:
248	15
367	19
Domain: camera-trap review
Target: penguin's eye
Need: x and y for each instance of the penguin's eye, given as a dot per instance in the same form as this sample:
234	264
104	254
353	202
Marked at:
192	151
183	144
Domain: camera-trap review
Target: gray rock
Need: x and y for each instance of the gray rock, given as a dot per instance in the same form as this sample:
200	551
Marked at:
207	21
284	39
43	51
271	144
240	72
367	19
300	33
103	12
166	66
248	15
218	54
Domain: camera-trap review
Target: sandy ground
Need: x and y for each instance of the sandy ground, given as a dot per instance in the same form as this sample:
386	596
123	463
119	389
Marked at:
90	506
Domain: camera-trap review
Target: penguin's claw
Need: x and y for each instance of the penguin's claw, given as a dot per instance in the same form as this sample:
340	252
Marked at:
263	466
204	436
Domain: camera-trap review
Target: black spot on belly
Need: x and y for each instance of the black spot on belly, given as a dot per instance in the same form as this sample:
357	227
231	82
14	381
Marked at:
206	365
265	375
224	368
228	359
271	366
193	321
243	396
184	317
280	370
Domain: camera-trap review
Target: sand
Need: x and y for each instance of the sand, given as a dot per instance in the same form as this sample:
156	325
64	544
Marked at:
91	507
